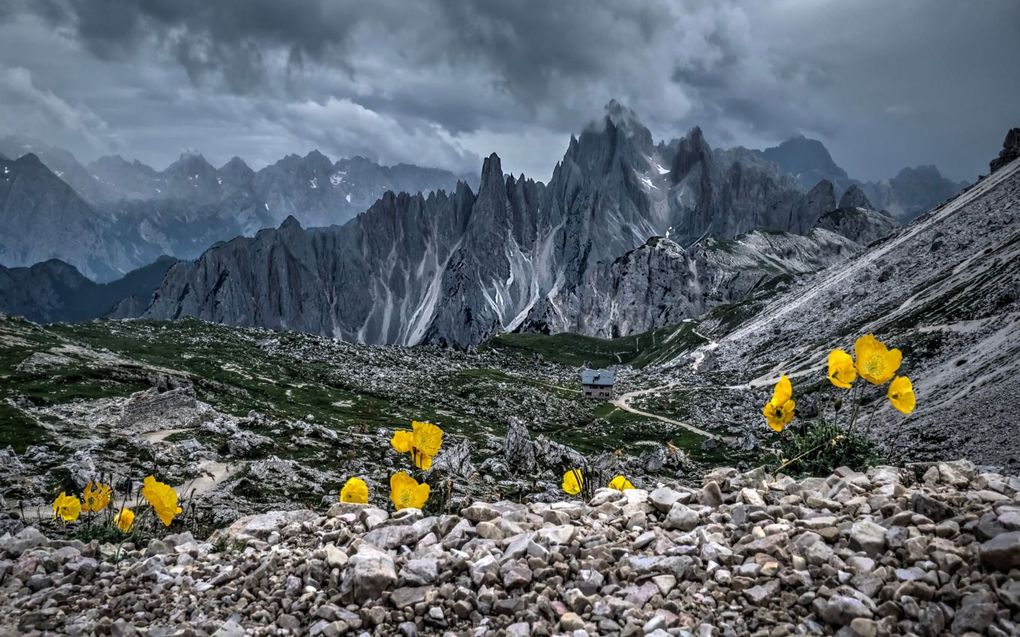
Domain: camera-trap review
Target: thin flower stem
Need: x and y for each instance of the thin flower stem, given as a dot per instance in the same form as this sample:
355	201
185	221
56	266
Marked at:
856	409
874	408
801	455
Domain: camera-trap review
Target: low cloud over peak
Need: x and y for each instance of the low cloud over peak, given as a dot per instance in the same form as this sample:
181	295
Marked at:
445	82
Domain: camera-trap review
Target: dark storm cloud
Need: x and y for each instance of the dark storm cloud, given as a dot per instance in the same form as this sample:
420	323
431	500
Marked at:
445	81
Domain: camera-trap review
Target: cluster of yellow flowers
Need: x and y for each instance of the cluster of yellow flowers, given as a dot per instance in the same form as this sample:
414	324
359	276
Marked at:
876	364
573	482
422	442
97	497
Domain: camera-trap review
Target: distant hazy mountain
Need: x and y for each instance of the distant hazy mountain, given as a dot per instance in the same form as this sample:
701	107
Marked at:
912	192
117	215
905	196
62	163
43	218
456	268
808	161
54	291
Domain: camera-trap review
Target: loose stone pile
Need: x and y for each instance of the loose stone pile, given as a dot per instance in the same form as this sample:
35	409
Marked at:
921	551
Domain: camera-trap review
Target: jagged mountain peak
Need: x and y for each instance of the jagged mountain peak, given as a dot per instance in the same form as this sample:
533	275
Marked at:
31	160
492	171
854	197
801	154
190	161
234	163
613	143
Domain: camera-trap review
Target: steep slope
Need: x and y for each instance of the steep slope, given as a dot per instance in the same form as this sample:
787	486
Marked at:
54	291
944	289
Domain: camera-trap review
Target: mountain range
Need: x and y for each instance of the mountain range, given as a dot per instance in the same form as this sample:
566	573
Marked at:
628	235
122	215
910	193
455	269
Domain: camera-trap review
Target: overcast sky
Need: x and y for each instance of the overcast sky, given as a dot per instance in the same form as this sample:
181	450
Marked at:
442	82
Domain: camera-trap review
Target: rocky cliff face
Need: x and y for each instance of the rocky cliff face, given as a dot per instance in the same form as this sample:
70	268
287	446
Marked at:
1010	150
447	268
857	220
660	283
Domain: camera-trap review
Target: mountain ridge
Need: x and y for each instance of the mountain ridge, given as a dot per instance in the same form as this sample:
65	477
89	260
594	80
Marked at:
455	269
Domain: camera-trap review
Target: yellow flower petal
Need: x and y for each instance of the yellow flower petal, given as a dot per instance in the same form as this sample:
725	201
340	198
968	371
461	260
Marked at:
124	520
876	363
405	492
620	483
783	391
427	437
162	498
354	491
67	507
901	394
402	441
842	372
421	459
779	416
573	480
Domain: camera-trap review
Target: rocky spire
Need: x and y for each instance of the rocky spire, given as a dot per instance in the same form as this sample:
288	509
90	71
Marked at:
854	197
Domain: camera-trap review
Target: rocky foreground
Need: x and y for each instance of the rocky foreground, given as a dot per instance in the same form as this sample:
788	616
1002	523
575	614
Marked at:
925	550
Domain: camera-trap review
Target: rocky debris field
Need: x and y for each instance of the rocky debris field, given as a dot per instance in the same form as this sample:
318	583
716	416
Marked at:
925	550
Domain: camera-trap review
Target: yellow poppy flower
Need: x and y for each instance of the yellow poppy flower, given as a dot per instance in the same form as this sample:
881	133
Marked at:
779	410
427	437
96	497
901	394
402	441
406	493
876	363
422	442
162	498
354	491
66	507
779	416
620	483
124	520
573	480
842	372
